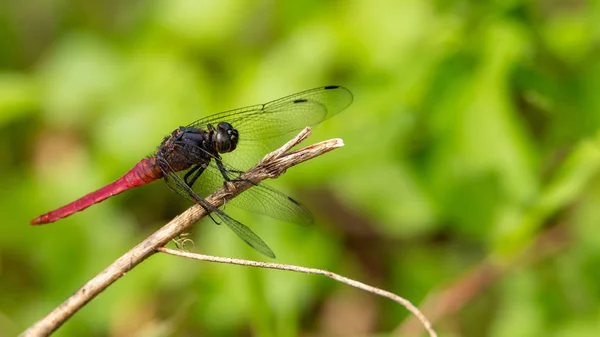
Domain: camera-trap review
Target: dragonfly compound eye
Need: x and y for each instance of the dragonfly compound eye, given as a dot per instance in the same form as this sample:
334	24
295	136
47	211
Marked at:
227	138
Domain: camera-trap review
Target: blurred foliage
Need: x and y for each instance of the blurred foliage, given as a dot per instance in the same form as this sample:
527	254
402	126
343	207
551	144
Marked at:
473	133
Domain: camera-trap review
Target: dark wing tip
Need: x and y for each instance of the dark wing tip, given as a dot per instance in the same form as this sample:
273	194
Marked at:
305	217
345	97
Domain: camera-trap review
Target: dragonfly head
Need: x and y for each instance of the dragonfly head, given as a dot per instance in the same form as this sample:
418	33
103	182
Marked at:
227	138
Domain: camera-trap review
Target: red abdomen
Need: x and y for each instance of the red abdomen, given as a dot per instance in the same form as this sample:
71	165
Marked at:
142	173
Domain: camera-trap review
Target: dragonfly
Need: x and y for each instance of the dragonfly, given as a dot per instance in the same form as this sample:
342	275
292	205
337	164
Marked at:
197	159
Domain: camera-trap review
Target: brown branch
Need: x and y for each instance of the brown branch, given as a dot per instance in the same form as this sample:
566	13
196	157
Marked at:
271	166
353	283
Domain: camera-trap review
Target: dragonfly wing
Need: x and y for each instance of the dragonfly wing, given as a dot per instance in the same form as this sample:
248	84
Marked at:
262	126
261	199
284	115
266	200
175	182
246	234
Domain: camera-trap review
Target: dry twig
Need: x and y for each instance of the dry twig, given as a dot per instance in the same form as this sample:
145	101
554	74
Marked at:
406	303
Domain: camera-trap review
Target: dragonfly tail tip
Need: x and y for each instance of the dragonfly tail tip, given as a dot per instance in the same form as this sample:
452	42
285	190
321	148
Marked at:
37	221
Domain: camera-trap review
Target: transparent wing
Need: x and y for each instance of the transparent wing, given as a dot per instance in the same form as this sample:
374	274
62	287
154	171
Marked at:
246	234
261	126
266	200
260	199
175	182
284	115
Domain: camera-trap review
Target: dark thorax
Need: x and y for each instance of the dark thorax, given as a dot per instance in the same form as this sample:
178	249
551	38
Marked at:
188	146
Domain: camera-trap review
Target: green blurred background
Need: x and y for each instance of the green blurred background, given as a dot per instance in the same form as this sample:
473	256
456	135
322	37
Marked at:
469	183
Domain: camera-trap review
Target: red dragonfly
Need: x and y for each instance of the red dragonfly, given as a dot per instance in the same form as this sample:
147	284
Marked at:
189	151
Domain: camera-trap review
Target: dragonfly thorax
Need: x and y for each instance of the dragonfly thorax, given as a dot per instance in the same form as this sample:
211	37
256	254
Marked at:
225	138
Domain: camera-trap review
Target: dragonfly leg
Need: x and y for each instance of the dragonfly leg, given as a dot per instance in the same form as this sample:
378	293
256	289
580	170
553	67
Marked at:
189	173
223	170
190	182
187	186
198	169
